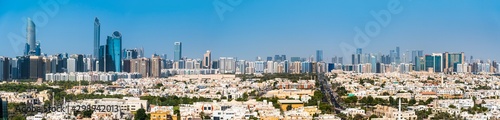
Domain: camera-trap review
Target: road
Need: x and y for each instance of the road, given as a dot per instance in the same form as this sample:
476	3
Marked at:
327	90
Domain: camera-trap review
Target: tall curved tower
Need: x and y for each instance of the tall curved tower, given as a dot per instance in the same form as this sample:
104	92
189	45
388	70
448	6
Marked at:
114	43
30	37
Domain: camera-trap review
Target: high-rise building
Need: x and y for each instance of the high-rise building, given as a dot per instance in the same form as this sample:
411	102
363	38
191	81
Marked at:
434	61
4	69
38	49
341	60
277	58
207	58
24	67
114	50
71	63
215	64
31	38
373	64
177	51
359	51
79	63
36	69
140	65
14	69
307	67
415	55
240	67
227	65
295	59
452	60
283	57
269	59
398	55
133	53
259	66
156	66
438	62
50	64
102	62
4	113
334	59
97	37
319	55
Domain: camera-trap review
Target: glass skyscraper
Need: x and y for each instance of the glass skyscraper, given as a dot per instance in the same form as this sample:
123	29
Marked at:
177	51
97	39
319	55
30	38
114	44
4	113
359	51
434	61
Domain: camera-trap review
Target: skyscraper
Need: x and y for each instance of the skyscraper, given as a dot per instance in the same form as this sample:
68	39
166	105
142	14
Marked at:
177	51
319	55
71	63
277	58
398	55
359	51
227	65
207	58
269	59
31	48
4	113
141	65
30	36
295	59
434	61
156	66
97	39
36	69
114	49
453	59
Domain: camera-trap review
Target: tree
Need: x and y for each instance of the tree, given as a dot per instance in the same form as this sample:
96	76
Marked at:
429	101
358	117
140	114
341	91
87	113
351	99
289	107
412	101
373	116
452	106
159	85
370	100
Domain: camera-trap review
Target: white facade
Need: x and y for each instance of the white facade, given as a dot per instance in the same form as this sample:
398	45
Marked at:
71	65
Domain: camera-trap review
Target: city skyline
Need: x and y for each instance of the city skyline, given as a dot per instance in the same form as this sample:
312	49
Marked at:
224	42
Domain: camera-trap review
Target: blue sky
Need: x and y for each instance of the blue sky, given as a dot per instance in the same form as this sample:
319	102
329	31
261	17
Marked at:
254	27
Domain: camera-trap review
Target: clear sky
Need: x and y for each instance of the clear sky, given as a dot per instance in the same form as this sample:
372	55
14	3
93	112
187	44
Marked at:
251	28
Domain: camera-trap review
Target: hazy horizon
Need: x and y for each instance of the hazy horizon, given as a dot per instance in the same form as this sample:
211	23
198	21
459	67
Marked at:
256	28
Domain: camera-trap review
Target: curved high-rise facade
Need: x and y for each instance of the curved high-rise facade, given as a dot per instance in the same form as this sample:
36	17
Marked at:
114	43
31	38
